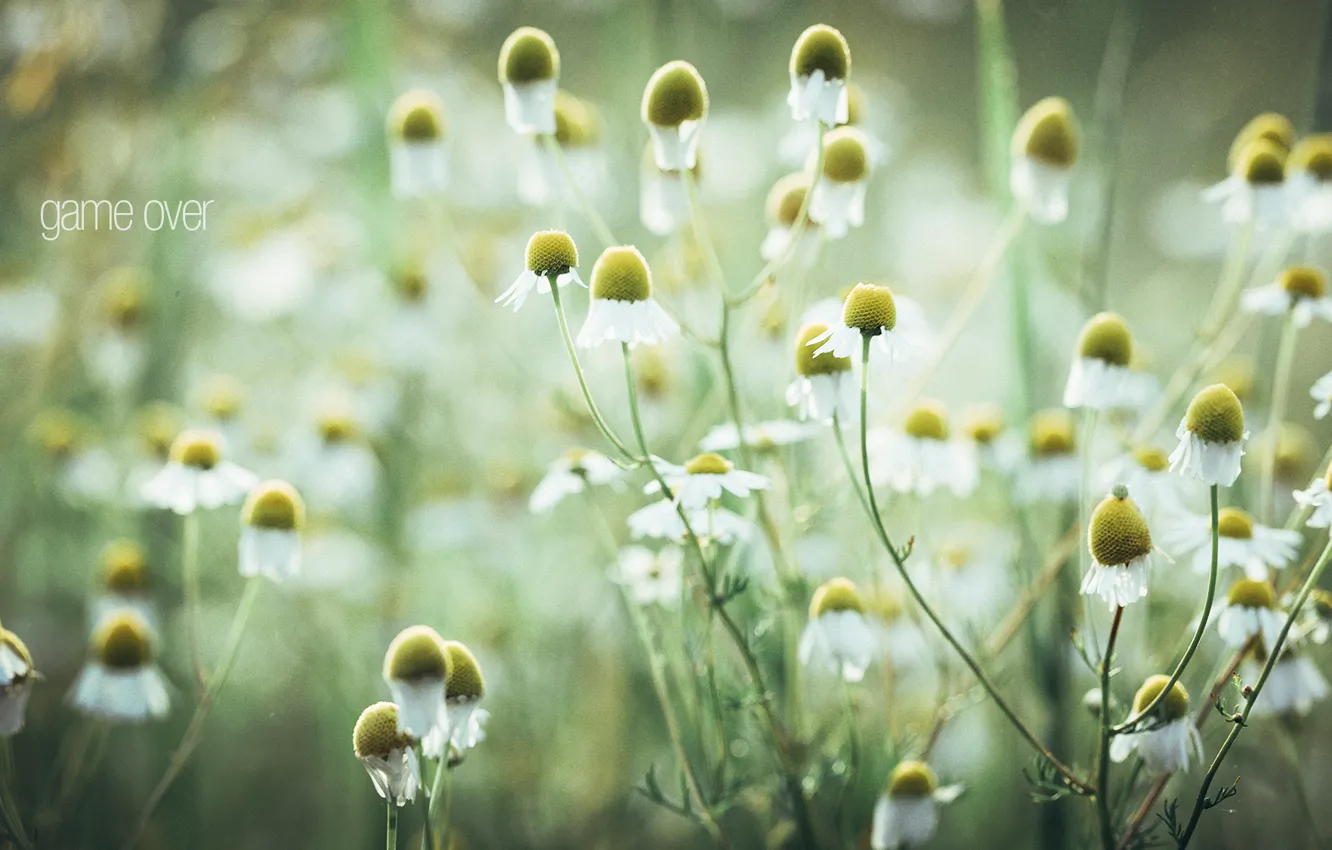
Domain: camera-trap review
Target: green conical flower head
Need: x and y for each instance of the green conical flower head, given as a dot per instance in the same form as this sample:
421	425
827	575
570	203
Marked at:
376	732
821	48
675	94
122	642
1234	523
928	420
465	680
1117	533
1051	433
551	252
417	116
1048	134
837	594
1313	155
912	779
1174	707
845	155
1216	415
1251	593
870	309
416	654
807	363
1303	282
1106	337
528	55
1271	127
621	274
274	505
786	198
197	449
1261	163
123	567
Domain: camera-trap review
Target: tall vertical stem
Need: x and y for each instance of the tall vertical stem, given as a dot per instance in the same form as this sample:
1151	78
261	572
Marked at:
1103	754
1280	392
189	546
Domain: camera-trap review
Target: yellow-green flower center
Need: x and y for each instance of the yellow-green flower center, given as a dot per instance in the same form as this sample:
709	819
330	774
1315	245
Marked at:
1117	533
417	653
576	122
159	424
222	398
621	274
336	427
807	363
1216	415
837	594
1261	163
1234	523
1270	127
1052	433
1174	707
1151	458
675	94
1251	593
122	567
928	420
1048	134
983	423
1303	282
417	116
122	642
274	505
15	643
551	252
122	298
1313	155
870	309
376	732
1106	337
912	779
786	198
709	463
465	681
197	449
821	48
845	155
528	55
1321	600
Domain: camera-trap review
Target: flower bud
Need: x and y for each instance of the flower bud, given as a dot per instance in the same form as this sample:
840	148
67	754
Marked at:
1117	534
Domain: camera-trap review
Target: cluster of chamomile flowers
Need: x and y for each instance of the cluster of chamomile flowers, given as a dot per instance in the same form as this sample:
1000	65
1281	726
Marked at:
436	688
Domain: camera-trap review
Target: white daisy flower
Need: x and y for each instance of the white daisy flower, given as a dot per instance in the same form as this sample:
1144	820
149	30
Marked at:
896	636
1250	609
416	667
838	636
622	307
124	585
700	482
653	578
196	476
336	467
1255	189
17	676
824	384
1317	499
675	106
761	436
1053	471
785	200
837	199
387	753
1315	620
663	198
1309	184
1321	392
1241	542
907	813
868	311
1045	149
571	473
120	681
466	689
1165	741
820	65
272	519
1211	437
661	521
116	350
970	572
923	455
1100	378
1300	291
1121	548
418	159
529	71
1293	686
996	445
551	256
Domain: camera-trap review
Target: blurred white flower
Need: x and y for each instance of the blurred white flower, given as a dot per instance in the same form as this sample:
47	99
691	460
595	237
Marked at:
652	578
907	812
661	520
197	476
700	482
1241	542
1293	686
571	473
1321	392
1249	610
838	636
387	754
120	681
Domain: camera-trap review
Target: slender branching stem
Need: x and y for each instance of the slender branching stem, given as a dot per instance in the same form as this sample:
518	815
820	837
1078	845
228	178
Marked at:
1290	331
189	547
1103	754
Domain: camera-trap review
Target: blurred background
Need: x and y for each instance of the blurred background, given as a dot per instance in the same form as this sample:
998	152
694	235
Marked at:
344	340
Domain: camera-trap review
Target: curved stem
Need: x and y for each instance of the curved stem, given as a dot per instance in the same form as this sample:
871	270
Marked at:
1069	776
1139	717
1280	392
1103	754
594	218
1274	652
189	545
194	732
582	379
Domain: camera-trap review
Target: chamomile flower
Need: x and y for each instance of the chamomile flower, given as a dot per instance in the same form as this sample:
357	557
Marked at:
551	257
652	578
1099	378
785	200
1270	127
824	384
578	136
1254	191
1044	151
907	813
700	482
622	307
1315	619
661	521
570	473
868	311
272	520
387	753
529	71
124	584
762	436
1299	291
1250	609
1053	471
336	467
17	675
820	66
1321	392
418	160
1293	686
1211	437
837	200
115	348
1241	542
120	681
923	455
675	105
1309	184
1317	499
466	688
997	446
969	571
416	667
663	198
1121	548
1166	739
197	476
838	636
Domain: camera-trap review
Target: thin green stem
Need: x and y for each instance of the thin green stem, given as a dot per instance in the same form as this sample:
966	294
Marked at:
1232	278
1074	782
1290	332
592	408
189	545
194	732
1103	754
447	831
433	800
599	227
10	820
1274	652
1085	482
1141	716
853	752
391	830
